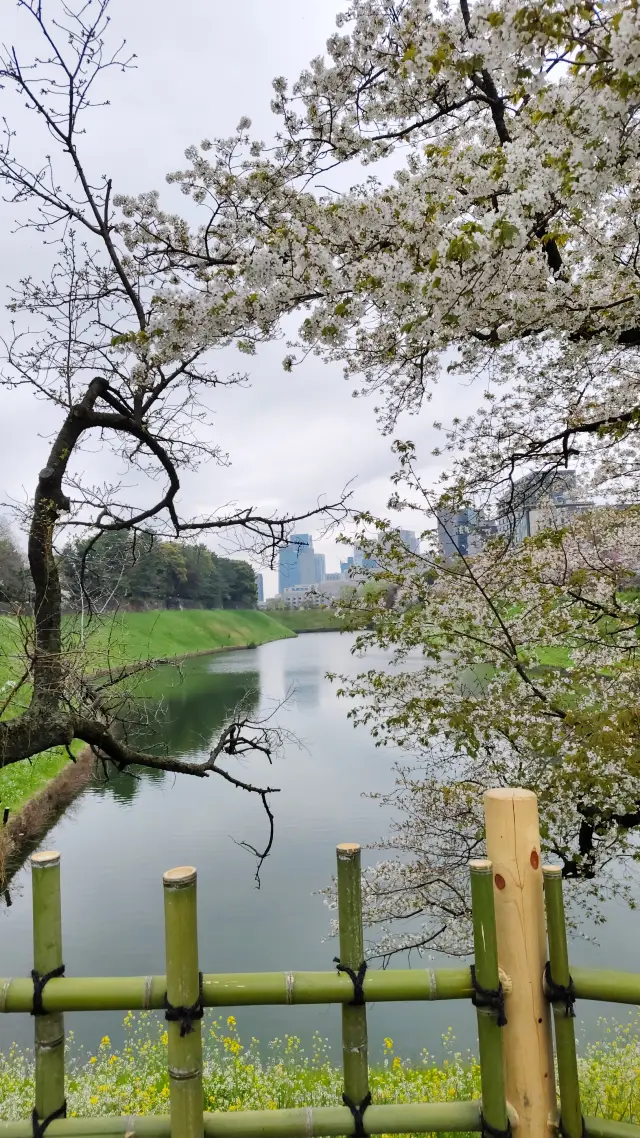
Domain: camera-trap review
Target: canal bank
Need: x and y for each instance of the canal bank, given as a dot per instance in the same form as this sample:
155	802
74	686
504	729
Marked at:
34	792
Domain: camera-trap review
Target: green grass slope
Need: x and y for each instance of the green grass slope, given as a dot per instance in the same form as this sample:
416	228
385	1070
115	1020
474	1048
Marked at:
309	620
133	636
127	638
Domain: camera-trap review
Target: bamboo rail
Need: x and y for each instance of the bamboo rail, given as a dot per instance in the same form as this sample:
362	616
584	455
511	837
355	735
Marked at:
184	993
239	989
302	1122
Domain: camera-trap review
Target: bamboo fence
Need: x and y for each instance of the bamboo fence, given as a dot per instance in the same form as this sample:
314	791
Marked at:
183	993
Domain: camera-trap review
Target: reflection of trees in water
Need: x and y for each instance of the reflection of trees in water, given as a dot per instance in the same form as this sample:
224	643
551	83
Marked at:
305	685
181	716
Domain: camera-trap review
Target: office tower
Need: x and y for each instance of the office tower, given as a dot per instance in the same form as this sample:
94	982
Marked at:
296	562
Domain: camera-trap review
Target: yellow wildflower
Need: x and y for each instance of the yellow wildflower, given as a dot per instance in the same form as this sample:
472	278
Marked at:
105	1041
93	1059
231	1021
93	1100
388	1044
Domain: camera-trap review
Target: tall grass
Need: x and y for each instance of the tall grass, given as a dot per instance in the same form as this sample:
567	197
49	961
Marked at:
236	1076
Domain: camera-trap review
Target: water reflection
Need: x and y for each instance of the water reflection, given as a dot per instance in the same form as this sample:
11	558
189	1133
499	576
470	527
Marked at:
304	685
185	715
117	841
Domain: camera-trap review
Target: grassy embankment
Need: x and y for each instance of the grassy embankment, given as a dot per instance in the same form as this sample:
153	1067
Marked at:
128	638
134	1080
309	620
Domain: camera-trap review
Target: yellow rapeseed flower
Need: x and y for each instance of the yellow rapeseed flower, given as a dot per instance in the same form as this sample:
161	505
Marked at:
164	1038
388	1044
93	1059
231	1021
105	1041
93	1100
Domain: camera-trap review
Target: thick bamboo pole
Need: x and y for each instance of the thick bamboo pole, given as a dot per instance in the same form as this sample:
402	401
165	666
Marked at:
47	956
183	988
570	1109
604	1128
404	1118
606	985
494	1106
513	846
354	1017
131	993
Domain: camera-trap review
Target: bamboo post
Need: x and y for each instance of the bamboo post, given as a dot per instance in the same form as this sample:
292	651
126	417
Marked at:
513	847
183	987
47	956
494	1106
570	1108
354	1018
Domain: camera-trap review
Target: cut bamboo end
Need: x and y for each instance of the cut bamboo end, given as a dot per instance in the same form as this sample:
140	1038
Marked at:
44	858
552	871
347	849
481	865
181	875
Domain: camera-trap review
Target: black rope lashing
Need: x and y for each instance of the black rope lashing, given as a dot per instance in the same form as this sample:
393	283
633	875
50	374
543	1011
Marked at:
562	1133
489	1131
186	1017
560	993
492	998
39	1127
357	979
39	982
357	1110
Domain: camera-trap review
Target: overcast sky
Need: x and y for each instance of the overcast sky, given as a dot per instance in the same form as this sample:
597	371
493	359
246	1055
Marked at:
291	438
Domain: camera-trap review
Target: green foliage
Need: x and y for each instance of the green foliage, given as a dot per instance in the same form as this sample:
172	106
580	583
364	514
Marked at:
144	572
13	572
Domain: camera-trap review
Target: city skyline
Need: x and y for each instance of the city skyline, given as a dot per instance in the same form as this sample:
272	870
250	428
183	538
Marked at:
299	564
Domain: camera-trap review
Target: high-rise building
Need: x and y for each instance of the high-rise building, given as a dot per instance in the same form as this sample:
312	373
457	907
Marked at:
296	562
408	538
464	533
260	586
320	567
538	497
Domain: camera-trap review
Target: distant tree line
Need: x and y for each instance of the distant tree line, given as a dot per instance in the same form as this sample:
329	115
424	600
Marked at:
138	572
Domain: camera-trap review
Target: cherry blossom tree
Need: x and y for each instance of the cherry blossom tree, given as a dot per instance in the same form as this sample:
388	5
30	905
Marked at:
503	249
88	341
